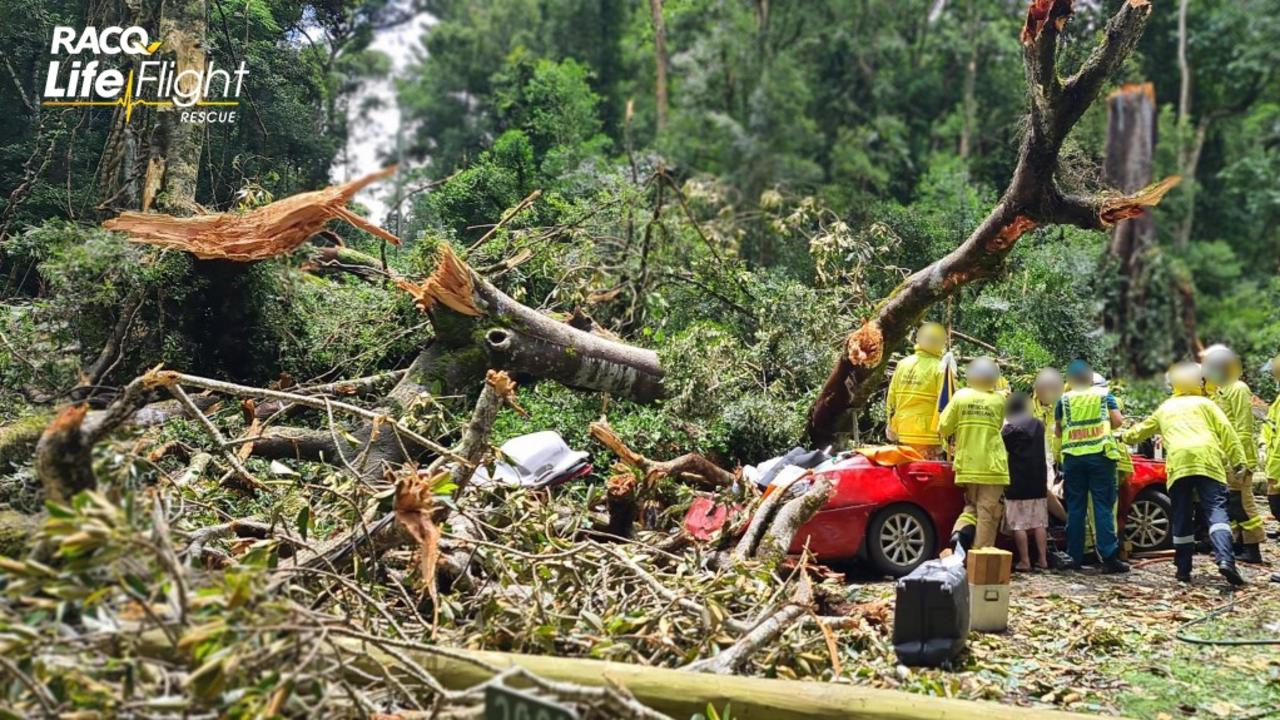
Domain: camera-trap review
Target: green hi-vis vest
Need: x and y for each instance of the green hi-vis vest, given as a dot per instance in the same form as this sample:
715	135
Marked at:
1085	423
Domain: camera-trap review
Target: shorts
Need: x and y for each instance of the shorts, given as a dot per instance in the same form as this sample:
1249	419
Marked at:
1026	514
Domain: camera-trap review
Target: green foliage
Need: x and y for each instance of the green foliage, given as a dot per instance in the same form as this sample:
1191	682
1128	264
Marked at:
245	322
481	193
552	104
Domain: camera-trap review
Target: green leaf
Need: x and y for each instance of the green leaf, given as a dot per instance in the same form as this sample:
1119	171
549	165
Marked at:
303	521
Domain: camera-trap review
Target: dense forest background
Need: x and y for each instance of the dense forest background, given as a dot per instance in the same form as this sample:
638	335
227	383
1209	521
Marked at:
730	183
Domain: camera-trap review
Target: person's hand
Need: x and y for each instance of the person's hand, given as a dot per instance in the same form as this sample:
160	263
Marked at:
1238	471
890	433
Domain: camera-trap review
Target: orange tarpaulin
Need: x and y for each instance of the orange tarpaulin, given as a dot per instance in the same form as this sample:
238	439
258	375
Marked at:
891	454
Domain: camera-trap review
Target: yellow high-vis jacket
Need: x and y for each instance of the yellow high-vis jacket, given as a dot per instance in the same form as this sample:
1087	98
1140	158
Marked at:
974	417
1044	413
1236	400
1198	438
1271	435
913	398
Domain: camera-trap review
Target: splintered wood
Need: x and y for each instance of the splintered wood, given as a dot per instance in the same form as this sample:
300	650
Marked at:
865	345
266	232
1123	207
451	284
1041	13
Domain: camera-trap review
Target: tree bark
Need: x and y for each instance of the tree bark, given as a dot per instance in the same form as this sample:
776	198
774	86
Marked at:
1032	199
970	107
1130	145
661	60
64	453
480	327
175	159
1188	169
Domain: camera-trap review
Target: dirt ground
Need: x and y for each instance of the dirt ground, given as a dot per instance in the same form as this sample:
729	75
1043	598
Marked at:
1107	644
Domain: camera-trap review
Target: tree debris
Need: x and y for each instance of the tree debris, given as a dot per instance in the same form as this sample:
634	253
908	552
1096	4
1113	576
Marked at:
265	232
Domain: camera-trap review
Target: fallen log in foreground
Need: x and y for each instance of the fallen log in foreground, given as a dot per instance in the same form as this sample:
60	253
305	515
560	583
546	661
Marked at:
680	693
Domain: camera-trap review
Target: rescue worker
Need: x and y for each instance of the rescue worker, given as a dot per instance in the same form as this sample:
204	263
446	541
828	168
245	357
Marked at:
1124	472
1222	370
1083	421
1271	434
1045	392
974	418
913	393
1201	449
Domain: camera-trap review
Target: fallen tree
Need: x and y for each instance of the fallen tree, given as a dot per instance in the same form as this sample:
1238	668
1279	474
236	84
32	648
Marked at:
1034	198
477	327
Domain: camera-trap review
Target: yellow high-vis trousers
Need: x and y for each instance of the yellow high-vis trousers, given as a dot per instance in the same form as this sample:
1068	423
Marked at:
1246	519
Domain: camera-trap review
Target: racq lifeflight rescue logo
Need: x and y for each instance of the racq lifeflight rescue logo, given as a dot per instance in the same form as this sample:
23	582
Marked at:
79	76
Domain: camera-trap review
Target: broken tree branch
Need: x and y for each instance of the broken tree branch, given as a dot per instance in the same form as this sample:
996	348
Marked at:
1032	199
228	454
265	232
690	466
498	390
795	513
226	388
64	453
732	657
469	313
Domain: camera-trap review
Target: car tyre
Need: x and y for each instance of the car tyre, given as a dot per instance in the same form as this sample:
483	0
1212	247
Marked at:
900	538
1149	525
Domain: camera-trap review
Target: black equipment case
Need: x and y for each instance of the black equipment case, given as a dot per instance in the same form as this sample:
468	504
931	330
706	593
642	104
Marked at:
931	614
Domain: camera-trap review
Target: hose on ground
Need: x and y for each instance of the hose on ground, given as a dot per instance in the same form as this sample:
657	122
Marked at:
1222	609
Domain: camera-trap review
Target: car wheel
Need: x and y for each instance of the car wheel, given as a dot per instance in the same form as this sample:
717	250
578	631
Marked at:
899	538
1149	525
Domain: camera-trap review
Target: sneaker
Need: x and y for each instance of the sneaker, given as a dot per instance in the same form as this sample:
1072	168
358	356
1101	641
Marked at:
1228	570
1114	566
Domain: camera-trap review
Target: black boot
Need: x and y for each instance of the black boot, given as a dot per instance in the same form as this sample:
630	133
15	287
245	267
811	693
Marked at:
1182	561
1114	566
1252	554
1228	570
964	537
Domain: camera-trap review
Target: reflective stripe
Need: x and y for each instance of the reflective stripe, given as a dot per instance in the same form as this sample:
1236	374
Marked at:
1219	527
1183	539
967	518
1252	523
1085	423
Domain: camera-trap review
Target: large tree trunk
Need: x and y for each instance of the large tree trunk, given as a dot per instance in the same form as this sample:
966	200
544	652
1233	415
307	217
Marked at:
1149	333
1188	147
1131	133
661	60
479	327
1032	199
970	100
174	165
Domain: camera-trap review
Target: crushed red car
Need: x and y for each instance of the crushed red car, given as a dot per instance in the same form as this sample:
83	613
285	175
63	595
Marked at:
897	516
